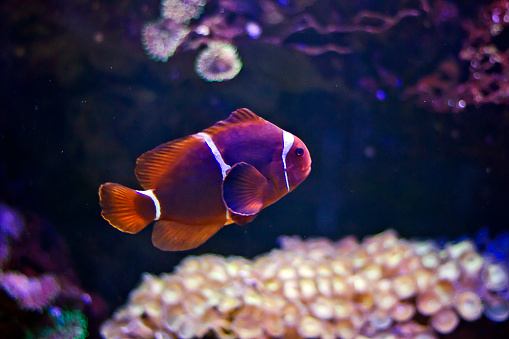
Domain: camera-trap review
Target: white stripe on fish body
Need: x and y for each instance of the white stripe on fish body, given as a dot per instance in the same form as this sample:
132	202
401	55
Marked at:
151	195
215	152
219	159
288	140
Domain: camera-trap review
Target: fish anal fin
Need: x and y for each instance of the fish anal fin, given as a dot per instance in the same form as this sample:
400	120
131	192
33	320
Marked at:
174	236
244	189
154	165
238	117
124	208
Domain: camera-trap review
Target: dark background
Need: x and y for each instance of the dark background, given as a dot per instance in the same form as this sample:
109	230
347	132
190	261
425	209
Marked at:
80	101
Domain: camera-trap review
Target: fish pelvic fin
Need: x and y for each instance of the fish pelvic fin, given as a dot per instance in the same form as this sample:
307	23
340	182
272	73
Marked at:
244	189
241	219
126	209
170	235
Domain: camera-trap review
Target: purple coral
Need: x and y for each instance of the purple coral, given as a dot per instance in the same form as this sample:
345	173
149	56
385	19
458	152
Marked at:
11	226
31	293
485	53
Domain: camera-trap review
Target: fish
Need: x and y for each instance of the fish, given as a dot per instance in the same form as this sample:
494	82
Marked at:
195	185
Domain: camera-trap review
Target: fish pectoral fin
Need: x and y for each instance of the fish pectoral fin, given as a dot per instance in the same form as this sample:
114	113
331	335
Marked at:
244	189
174	236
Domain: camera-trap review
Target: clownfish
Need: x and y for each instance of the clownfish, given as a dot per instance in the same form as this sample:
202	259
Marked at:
195	185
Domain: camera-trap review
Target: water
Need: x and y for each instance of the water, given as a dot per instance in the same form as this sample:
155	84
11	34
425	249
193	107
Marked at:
406	121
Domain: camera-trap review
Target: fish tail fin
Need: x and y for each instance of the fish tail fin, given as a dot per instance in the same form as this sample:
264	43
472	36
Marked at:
126	209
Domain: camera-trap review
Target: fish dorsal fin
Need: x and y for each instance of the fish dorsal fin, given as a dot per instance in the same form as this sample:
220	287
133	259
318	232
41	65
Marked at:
244	189
154	165
243	115
173	236
239	117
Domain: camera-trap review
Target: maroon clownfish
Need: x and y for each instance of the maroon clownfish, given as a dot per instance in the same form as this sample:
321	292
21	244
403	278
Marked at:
195	185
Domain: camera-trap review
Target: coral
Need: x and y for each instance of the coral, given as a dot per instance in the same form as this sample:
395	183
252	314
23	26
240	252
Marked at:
66	324
218	62
476	74
161	38
11	223
182	11
37	284
11	226
31	293
276	23
485	52
382	287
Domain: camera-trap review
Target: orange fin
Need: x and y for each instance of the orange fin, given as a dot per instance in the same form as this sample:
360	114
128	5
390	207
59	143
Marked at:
243	189
154	165
124	208
173	236
241	219
240	116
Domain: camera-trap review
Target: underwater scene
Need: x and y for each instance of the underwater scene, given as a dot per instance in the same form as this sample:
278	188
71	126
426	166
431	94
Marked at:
254	169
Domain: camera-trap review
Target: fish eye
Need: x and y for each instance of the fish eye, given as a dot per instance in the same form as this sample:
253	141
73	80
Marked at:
299	152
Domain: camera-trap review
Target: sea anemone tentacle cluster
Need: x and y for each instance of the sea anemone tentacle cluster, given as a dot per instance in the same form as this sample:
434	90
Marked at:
218	61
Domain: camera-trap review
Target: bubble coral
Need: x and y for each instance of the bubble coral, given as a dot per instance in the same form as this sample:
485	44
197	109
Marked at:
218	62
317	288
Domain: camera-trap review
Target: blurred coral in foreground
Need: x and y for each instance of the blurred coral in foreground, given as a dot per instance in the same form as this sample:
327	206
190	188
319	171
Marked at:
66	324
383	287
11	226
40	296
30	292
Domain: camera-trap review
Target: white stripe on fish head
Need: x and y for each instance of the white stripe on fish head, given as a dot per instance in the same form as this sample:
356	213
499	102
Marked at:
288	140
219	159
